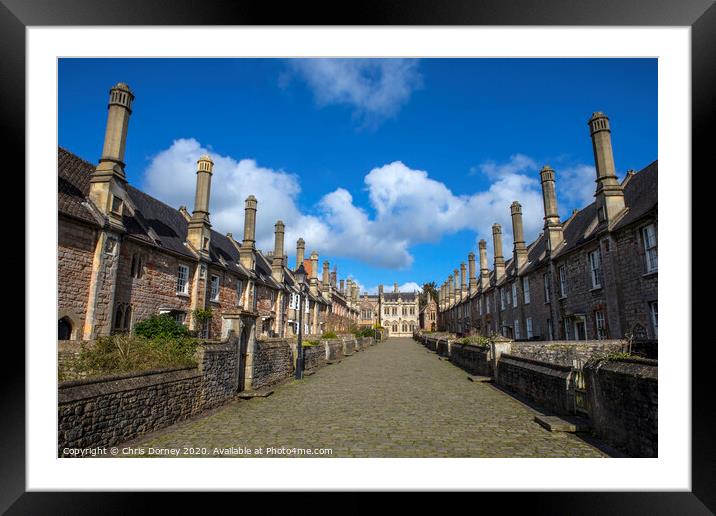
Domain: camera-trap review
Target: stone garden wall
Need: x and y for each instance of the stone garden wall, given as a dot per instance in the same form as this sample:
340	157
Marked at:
98	412
314	356
622	396
547	384
334	349
273	362
473	359
566	351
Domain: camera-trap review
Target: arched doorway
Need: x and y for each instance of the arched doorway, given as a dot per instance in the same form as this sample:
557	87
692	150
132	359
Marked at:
243	357
64	329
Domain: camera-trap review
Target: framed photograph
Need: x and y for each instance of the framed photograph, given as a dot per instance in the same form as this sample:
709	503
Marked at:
412	251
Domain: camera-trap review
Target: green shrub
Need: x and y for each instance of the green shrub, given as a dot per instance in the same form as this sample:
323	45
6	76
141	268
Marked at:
329	335
309	343
123	353
161	326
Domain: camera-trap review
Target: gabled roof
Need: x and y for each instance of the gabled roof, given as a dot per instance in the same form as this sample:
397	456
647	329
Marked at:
641	194
146	218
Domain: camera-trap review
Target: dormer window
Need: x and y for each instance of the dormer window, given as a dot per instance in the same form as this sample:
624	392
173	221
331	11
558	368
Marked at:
117	205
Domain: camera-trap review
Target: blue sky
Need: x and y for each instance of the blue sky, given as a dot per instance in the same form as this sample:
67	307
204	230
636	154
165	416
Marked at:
390	169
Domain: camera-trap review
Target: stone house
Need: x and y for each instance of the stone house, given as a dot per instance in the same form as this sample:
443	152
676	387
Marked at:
429	315
591	276
399	311
124	256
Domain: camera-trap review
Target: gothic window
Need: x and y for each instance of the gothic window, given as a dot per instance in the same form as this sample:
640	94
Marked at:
526	289
122	317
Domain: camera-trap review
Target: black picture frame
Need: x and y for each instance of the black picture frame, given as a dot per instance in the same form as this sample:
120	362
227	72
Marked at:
700	15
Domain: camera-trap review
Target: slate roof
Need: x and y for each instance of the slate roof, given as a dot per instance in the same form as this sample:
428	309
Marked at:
73	175
405	296
641	194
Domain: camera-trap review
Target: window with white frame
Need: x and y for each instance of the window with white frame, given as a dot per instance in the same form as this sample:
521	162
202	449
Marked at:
601	324
563	281
546	287
214	290
502	298
514	293
526	289
595	268
182	279
479	305
530	332
653	312
517	329
487	303
648	235
580	328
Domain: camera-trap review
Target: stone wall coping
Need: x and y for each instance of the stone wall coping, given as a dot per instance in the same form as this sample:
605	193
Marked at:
539	363
93	387
644	368
275	343
569	343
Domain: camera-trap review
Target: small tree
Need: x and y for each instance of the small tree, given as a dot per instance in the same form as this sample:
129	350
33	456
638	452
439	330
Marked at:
160	326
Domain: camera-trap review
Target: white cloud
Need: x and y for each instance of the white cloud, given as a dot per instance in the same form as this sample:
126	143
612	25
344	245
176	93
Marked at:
375	88
408	207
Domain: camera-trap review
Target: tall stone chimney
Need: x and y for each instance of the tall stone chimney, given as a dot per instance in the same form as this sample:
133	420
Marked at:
395	287
497	248
380	291
326	276
484	269
334	277
108	178
277	262
451	289
463	284
199	230
610	193
248	246
471	272
552	225
313	283
519	252
300	251
342	287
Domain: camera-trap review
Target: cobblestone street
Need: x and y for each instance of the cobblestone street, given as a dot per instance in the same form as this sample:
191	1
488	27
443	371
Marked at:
392	400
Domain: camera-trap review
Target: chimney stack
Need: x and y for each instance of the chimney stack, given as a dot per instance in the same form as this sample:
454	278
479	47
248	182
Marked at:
451	290
326	277
552	225
520	250
199	231
471	272
342	289
313	284
277	263
110	170
463	284
395	287
497	247
300	251
246	253
610	194
484	270
380	291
